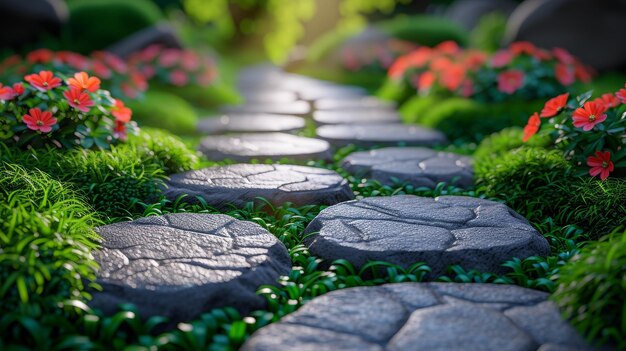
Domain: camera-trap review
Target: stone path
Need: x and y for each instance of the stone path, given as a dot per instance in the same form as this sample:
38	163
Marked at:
352	116
262	146
298	108
263	96
370	135
251	123
338	104
182	265
423	316
241	183
405	229
417	166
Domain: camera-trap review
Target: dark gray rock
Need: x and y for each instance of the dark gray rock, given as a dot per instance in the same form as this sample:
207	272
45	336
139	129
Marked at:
26	21
405	229
357	115
160	34
263	146
241	183
354	103
420	316
556	23
182	265
298	108
250	123
413	165
367	135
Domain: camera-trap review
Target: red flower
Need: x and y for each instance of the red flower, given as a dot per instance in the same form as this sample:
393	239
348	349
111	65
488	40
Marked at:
78	99
40	55
8	93
531	127
510	81
83	81
600	164
621	95
501	58
189	60
426	80
18	88
447	47
178	78
587	117
398	68
101	70
565	74
522	47
563	56
608	100
554	106
119	130
43	81
467	88
452	77
121	112
169	57
38	120
583	73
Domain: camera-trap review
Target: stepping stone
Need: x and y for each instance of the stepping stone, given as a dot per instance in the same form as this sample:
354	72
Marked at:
298	108
271	97
264	146
417	166
423	316
241	183
251	123
181	265
368	135
405	229
360	116
354	103
313	93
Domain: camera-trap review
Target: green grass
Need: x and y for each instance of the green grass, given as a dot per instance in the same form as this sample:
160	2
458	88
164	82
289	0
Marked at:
166	111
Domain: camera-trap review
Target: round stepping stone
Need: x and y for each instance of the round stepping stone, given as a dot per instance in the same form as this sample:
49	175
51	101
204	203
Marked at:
239	184
272	97
423	316
368	135
354	103
263	146
181	265
312	93
405	229
250	123
298	108
417	166
361	116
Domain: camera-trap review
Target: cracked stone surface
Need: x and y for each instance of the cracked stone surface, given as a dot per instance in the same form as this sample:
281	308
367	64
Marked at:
413	165
367	102
298	108
262	146
181	265
241	183
250	123
368	135
405	229
361	116
423	316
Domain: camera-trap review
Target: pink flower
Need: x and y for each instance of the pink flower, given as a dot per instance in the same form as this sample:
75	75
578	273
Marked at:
501	58
78	99
563	56
43	81
600	164
7	93
169	57
589	115
178	78
621	95
608	100
38	120
565	74
510	81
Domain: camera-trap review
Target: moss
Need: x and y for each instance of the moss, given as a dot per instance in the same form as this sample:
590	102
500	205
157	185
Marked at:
168	150
424	30
96	24
497	144
592	288
165	111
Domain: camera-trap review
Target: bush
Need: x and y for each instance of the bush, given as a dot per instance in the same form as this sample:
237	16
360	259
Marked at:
204	97
497	144
169	151
393	90
165	111
46	239
424	30
592	288
96	24
488	33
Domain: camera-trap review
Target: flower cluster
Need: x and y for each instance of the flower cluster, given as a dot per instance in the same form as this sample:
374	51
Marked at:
592	133
377	55
65	111
519	71
174	66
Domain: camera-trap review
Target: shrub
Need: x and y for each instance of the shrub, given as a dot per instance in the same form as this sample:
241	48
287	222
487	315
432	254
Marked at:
46	239
488	33
165	149
165	111
96	24
497	144
424	30
592	288
205	97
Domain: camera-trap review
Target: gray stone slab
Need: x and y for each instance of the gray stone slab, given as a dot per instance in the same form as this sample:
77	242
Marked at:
238	184
257	96
263	146
181	265
405	229
358	116
417	166
312	93
298	108
368	135
251	123
420	316
368	102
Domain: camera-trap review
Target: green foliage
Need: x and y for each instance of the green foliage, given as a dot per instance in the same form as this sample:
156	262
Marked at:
488	33
96	24
497	144
46	239
165	149
165	111
418	106
424	30
591	290
327	43
532	181
393	90
204	97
